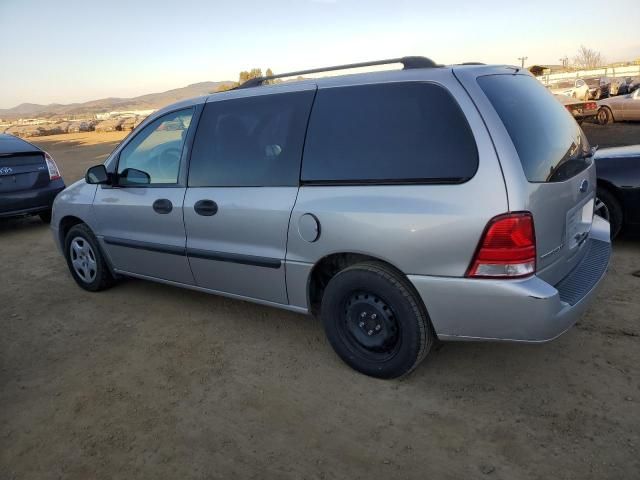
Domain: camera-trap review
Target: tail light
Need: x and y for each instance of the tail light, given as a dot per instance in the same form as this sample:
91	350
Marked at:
54	171
591	106
507	248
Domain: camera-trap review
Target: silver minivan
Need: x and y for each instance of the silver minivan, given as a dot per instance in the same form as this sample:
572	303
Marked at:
401	207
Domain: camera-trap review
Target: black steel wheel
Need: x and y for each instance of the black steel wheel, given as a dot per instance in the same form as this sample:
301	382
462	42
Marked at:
375	321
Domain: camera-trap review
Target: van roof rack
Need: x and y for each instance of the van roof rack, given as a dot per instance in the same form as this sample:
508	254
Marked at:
407	62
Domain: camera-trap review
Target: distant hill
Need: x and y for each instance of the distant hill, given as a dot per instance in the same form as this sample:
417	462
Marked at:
143	102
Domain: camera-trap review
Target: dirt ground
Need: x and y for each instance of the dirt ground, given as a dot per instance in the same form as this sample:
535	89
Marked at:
154	382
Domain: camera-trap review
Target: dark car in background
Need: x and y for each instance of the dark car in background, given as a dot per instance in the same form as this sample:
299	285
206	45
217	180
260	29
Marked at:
630	85
29	179
614	86
598	87
618	194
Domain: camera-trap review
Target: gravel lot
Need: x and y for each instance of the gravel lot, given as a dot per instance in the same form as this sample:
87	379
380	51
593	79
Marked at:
149	381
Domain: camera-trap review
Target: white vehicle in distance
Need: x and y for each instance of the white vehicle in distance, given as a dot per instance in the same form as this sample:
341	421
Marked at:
571	88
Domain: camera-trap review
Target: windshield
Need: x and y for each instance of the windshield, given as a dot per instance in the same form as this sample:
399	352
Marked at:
551	145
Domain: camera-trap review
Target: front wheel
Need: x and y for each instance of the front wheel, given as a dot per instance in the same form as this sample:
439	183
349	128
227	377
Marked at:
85	260
375	321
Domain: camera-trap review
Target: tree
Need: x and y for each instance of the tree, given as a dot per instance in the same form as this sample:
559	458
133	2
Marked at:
587	58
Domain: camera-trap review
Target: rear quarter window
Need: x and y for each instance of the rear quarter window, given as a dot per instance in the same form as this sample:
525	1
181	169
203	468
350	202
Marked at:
388	133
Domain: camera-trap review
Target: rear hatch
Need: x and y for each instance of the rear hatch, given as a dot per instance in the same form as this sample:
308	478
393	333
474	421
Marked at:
23	172
22	166
559	182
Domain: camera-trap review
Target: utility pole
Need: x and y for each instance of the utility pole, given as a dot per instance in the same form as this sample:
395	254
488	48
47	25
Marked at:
565	61
522	59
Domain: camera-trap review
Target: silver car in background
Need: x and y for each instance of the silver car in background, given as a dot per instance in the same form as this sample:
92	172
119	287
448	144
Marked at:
401	207
619	108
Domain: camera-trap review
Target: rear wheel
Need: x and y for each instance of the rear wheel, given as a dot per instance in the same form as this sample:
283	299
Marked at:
608	207
85	260
604	116
45	216
375	321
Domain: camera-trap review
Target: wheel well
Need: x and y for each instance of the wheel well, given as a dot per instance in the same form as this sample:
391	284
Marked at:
604	107
326	268
65	225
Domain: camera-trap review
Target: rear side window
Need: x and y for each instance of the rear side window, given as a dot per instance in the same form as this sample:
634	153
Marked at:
549	142
253	141
387	133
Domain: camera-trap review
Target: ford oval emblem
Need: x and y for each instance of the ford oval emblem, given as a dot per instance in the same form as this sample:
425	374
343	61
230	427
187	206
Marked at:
584	186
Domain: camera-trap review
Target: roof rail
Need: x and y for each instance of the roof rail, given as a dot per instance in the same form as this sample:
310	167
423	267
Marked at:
408	62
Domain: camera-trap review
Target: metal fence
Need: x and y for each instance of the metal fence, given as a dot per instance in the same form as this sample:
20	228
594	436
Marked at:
611	72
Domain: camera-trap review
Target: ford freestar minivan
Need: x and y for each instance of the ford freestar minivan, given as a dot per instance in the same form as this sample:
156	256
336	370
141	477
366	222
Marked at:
432	202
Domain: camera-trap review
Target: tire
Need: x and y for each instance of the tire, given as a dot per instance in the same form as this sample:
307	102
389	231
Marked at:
375	320
604	116
86	263
612	210
45	216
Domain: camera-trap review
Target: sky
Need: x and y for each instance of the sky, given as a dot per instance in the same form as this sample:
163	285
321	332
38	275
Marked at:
64	51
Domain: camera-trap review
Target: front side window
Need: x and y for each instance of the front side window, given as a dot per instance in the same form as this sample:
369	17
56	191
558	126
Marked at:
388	133
153	155
251	142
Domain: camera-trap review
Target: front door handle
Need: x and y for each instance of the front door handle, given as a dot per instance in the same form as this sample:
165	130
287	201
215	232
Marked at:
162	206
206	208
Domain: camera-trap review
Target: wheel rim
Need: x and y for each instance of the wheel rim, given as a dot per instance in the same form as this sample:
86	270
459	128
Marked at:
370	326
83	259
601	209
602	116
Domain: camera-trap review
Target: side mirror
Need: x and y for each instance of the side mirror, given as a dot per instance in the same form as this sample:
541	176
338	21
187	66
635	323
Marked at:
133	176
97	175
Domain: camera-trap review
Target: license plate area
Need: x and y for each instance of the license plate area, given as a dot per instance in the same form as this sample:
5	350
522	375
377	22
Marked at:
579	220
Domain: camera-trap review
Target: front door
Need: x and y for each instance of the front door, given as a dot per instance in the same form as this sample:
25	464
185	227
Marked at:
140	220
632	106
243	182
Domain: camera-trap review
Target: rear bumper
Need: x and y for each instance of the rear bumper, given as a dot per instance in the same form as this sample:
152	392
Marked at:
29	201
528	310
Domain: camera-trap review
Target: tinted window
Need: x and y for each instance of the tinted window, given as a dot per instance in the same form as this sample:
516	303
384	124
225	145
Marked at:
386	133
548	140
155	151
254	141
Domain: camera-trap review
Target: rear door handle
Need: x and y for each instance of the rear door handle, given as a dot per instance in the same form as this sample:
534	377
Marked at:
206	208
162	206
